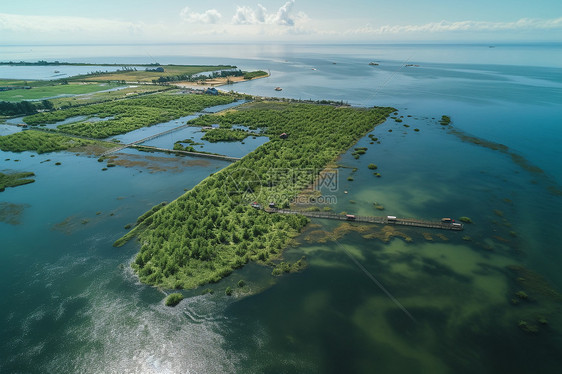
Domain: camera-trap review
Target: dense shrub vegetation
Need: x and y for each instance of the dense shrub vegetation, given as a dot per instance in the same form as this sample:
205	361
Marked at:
128	115
211	230
254	74
23	107
287	267
173	299
225	135
40	142
203	77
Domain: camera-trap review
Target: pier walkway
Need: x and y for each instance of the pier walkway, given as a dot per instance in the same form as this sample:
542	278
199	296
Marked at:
188	153
385	220
123	146
138	145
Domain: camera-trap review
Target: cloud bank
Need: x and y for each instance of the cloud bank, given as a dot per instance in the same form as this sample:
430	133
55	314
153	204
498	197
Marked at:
211	16
523	24
256	23
245	15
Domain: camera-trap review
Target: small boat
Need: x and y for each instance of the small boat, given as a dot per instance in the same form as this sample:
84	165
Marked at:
56	71
373	63
278	89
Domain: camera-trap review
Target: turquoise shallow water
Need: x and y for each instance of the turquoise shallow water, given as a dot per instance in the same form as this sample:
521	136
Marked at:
71	304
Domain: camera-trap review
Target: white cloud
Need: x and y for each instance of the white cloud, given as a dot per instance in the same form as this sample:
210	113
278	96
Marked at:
255	24
283	16
247	16
524	24
210	16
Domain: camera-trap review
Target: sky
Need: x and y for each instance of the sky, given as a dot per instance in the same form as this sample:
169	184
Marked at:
37	22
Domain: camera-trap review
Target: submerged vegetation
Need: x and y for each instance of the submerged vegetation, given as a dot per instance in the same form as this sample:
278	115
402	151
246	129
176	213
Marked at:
11	213
211	230
287	267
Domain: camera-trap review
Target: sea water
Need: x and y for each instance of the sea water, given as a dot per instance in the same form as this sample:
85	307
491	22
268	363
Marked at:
372	298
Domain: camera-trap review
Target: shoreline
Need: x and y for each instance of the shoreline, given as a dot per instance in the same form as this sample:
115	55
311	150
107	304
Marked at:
215	82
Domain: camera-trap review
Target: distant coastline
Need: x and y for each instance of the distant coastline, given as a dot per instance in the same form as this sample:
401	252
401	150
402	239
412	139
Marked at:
62	63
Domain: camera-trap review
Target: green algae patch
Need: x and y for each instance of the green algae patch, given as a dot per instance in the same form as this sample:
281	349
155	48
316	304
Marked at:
288	267
15	179
533	284
368	231
551	185
11	213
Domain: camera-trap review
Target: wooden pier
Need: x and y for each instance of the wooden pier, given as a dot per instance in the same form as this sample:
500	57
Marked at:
384	220
188	153
138	145
123	146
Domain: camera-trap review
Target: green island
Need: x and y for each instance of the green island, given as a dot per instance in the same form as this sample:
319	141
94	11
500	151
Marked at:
205	234
15	179
149	73
445	120
186	145
173	299
255	74
215	78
